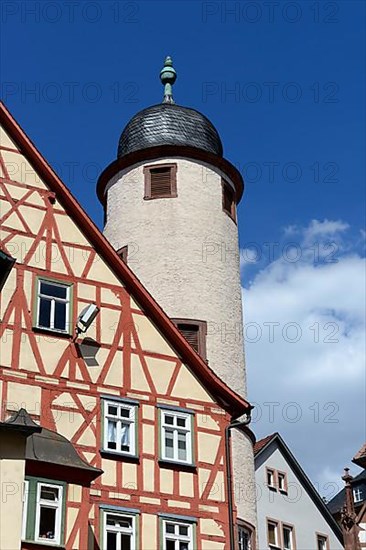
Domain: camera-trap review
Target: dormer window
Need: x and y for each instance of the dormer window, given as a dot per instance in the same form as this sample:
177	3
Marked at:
194	332
6	263
228	200
160	181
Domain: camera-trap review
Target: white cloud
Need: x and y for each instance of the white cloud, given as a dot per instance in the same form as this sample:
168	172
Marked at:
305	348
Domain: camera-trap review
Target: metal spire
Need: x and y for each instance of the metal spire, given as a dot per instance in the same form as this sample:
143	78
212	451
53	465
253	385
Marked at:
168	76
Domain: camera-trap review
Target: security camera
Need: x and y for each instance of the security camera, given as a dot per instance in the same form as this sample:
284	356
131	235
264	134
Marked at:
86	317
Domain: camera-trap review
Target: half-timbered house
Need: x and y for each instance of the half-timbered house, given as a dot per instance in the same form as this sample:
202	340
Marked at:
112	435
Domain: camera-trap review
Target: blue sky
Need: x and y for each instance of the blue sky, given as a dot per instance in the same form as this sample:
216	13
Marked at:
284	85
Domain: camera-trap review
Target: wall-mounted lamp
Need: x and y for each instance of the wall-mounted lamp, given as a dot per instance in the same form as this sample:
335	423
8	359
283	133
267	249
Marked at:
86	318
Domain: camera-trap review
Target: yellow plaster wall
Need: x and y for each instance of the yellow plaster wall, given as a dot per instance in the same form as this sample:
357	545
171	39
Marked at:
149	531
12	467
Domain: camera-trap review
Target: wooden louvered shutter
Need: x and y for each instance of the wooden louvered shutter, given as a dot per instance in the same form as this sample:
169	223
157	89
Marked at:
194	332
191	334
161	182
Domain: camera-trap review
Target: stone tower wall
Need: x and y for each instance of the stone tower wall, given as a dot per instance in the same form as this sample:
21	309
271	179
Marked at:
185	251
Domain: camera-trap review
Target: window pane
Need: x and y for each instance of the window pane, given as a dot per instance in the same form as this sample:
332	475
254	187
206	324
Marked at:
269	477
44	313
125	413
112	409
112	434
183	530
54	290
111	541
287	538
181	422
60	315
271	534
170	545
49	493
169	528
183	546
47	523
126	542
182	446
169	419
169	444
125	437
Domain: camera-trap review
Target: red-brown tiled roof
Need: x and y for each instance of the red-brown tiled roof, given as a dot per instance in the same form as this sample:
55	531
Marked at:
262	443
360	457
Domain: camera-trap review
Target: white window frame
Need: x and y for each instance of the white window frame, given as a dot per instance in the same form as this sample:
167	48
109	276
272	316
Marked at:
176	537
277	538
53	300
291	530
49	504
176	429
242	530
25	508
131	421
357	494
122	530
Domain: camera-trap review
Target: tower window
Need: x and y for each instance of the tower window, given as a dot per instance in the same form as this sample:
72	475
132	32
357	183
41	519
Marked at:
160	181
228	200
194	332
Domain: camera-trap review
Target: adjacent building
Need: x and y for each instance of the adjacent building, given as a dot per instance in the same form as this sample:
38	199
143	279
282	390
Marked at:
291	513
349	505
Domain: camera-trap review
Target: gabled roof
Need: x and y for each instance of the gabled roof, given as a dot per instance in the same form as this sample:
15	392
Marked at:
229	399
277	441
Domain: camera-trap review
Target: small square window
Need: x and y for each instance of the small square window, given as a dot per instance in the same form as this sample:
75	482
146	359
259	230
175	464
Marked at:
228	200
120	427
160	181
357	494
53	306
176	436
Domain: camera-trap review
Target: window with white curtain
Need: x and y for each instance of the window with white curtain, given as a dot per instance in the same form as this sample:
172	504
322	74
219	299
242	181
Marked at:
120	427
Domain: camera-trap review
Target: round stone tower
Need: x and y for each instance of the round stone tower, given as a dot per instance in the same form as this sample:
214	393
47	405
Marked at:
170	206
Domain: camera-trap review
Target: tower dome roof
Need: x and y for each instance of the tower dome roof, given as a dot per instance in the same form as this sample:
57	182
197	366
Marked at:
169	124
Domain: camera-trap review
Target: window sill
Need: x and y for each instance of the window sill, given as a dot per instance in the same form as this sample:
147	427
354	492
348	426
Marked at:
49	331
282	491
172	196
35	544
175	465
272	488
115	455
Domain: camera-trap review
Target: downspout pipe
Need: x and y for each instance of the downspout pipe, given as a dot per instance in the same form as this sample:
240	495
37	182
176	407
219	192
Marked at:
229	427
